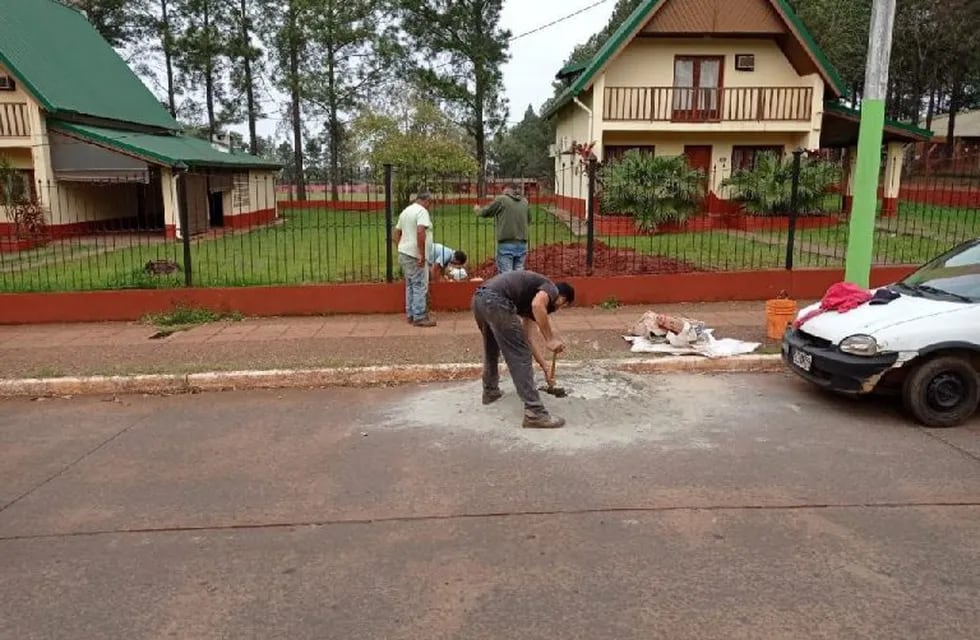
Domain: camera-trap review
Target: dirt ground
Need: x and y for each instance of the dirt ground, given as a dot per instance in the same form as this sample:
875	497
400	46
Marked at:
564	260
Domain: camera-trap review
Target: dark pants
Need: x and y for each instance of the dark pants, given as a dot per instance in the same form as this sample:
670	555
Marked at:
503	333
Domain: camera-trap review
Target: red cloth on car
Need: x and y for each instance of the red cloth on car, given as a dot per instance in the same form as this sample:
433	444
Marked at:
840	297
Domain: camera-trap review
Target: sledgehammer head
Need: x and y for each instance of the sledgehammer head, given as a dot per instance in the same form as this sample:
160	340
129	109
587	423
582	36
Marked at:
558	392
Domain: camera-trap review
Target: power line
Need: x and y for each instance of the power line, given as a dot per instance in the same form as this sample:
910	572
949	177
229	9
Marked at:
559	20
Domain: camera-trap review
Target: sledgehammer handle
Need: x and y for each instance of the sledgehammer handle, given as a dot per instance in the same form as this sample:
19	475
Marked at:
554	361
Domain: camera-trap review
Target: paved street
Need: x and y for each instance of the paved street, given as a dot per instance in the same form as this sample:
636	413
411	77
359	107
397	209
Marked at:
671	507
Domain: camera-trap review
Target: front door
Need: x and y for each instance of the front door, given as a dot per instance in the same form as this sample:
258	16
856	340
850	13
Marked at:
699	157
697	88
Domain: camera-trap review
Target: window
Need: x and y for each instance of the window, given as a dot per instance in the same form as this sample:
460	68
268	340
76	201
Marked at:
7	83
697	88
241	195
16	187
744	158
612	153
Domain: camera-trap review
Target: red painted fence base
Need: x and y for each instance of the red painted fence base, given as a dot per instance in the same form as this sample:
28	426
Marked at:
104	306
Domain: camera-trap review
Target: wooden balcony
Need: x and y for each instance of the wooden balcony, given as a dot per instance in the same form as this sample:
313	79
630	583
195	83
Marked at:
728	104
13	120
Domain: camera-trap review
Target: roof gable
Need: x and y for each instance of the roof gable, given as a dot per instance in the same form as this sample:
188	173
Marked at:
60	58
692	17
753	18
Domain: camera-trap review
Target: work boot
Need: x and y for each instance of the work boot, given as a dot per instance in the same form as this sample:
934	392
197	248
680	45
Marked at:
425	321
492	395
543	421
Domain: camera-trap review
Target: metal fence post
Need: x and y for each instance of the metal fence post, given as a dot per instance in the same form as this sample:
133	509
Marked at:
794	205
590	218
185	229
389	222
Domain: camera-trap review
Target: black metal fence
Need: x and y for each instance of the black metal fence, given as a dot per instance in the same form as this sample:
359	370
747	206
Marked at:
621	218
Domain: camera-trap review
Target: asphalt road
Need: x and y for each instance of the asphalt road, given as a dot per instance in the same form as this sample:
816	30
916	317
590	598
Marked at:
671	507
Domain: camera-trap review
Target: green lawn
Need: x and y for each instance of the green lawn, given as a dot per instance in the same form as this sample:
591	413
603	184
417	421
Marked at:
343	246
708	251
307	247
951	223
918	234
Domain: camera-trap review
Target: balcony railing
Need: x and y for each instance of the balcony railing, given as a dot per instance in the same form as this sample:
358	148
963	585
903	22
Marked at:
13	120
728	104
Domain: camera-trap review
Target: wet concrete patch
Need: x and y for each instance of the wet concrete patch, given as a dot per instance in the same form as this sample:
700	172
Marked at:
604	408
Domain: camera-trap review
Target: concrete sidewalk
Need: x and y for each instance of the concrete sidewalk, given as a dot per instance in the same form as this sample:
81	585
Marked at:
49	351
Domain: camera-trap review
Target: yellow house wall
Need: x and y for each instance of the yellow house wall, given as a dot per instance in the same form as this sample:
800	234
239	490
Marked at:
168	184
81	202
649	62
672	144
262	191
36	142
573	124
20	96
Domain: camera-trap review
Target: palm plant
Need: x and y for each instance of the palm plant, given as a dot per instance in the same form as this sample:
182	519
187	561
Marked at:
655	190
767	188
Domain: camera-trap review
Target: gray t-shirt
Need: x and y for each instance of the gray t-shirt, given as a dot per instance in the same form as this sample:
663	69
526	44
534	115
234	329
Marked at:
520	287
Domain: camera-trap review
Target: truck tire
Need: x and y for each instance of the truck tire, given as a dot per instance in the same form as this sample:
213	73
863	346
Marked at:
942	392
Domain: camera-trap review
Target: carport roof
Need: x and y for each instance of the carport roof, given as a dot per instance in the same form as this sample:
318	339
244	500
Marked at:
171	150
840	128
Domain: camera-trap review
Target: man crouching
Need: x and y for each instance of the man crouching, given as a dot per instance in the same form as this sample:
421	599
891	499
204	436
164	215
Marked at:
507	307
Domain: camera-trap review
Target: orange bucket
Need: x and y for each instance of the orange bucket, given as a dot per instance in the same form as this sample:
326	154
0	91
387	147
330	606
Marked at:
780	314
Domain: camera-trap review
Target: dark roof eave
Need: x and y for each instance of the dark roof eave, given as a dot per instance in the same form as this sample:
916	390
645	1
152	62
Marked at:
154	158
913	132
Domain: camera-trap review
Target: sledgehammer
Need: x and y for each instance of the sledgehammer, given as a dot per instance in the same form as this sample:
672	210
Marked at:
558	392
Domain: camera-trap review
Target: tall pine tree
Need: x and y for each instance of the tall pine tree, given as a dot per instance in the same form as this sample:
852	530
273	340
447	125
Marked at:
461	48
353	49
202	49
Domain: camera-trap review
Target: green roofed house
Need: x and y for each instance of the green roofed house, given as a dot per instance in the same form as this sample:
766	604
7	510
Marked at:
93	146
717	81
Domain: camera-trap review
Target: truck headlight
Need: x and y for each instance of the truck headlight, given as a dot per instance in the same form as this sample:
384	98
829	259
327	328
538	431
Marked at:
859	345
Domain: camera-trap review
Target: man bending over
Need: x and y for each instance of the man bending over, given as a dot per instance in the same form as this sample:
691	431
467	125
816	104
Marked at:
508	308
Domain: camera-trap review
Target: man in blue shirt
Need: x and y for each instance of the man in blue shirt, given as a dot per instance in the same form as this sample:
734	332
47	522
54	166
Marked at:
443	260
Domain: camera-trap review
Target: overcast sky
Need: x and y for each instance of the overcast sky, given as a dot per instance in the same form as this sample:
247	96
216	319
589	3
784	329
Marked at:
534	58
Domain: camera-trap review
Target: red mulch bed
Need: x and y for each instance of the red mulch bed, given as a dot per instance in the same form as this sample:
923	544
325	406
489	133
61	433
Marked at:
565	260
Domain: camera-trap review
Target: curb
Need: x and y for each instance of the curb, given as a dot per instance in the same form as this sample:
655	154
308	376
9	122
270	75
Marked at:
351	376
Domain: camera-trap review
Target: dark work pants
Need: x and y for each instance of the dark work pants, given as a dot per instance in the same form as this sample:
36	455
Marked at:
503	333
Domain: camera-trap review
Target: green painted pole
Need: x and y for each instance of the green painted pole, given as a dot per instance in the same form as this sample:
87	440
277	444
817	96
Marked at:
860	245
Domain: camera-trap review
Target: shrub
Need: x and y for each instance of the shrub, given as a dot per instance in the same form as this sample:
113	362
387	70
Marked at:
655	190
767	188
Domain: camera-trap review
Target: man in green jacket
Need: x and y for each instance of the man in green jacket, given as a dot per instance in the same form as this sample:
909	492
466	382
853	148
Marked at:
513	215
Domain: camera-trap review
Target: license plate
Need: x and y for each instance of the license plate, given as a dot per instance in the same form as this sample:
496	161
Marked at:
802	360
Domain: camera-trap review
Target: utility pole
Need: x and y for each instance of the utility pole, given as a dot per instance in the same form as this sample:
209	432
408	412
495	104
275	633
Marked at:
860	244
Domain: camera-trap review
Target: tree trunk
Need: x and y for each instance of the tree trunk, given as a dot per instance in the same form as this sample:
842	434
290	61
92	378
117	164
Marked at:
294	91
479	133
168	58
253	139
333	118
954	105
208	71
931	111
